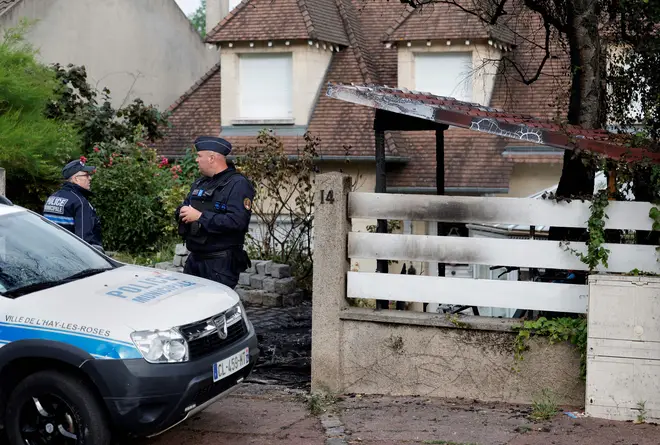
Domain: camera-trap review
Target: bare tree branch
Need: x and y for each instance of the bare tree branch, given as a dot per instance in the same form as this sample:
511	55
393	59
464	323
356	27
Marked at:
543	61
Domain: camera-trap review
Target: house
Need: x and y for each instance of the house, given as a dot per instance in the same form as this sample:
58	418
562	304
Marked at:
277	56
146	48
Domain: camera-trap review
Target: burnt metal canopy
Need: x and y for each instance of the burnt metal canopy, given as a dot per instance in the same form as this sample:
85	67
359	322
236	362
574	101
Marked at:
404	110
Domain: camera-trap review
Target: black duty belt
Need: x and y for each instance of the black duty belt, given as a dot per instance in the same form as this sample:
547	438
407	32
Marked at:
211	255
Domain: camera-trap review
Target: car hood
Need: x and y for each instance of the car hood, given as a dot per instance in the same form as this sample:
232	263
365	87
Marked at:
133	297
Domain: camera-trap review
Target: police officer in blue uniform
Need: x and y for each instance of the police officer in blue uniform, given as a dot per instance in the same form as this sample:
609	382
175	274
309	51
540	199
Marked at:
69	206
215	216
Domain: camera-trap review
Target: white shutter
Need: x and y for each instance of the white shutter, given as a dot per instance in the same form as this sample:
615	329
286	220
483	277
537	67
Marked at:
265	86
445	74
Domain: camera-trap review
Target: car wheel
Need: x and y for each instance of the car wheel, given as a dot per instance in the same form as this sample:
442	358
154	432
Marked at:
51	407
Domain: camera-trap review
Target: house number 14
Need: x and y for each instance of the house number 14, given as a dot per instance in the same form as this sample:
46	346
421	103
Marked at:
327	197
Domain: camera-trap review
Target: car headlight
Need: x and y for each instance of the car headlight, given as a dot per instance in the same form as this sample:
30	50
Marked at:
235	312
157	346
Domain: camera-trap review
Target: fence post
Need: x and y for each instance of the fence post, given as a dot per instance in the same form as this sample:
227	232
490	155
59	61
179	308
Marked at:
3	182
331	264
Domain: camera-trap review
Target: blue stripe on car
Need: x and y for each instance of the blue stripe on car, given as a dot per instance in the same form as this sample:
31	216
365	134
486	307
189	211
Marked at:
97	346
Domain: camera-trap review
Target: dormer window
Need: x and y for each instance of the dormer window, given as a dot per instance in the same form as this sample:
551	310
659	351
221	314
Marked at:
446	74
265	84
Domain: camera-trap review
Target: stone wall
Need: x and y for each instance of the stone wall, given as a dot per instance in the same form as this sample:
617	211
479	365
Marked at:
265	283
359	350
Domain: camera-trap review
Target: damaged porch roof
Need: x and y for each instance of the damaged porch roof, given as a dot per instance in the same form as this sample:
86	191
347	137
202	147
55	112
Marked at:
473	116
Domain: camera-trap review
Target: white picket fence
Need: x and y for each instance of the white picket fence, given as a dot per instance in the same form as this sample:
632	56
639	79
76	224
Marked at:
540	254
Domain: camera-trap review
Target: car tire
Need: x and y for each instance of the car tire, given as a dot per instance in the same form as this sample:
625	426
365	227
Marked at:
66	406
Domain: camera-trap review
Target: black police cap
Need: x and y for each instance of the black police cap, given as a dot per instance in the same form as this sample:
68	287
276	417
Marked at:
74	167
210	143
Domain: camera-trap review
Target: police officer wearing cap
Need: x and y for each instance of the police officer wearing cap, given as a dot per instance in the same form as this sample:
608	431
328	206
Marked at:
69	206
215	216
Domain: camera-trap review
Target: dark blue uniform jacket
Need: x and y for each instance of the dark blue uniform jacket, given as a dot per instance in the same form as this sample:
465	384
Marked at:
70	208
225	201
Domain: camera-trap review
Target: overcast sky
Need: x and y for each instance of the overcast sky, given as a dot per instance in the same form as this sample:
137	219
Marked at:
189	6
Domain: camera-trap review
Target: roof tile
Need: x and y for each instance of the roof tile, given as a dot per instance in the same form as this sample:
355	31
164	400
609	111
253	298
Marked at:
472	159
444	21
6	4
281	20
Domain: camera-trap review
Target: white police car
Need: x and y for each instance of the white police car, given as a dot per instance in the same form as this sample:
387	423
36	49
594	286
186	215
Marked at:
91	347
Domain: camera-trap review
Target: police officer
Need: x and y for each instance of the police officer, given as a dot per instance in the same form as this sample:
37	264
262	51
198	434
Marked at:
215	216
69	207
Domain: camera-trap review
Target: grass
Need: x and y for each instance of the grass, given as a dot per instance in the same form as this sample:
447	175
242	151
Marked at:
544	405
641	417
159	255
319	402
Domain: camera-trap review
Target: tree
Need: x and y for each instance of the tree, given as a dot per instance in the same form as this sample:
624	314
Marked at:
96	120
583	29
33	148
198	19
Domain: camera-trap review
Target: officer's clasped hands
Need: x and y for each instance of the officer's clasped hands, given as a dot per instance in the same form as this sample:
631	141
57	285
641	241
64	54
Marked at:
189	214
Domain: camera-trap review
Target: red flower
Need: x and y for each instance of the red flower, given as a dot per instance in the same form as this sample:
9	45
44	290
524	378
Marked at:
83	159
96	149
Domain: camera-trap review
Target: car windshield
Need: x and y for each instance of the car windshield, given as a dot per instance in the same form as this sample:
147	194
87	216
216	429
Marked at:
34	253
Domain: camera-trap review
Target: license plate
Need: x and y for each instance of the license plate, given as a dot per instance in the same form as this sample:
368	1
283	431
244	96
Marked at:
231	364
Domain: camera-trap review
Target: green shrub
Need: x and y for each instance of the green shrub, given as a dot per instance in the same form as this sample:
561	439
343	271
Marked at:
127	188
33	148
136	193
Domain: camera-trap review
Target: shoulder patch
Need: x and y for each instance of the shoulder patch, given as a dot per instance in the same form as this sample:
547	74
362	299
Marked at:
247	203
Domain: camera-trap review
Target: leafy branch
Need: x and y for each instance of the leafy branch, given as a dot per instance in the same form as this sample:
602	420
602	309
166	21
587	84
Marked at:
572	330
596	252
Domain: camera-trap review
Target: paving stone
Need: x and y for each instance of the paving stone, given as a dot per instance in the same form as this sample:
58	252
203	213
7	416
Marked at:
244	278
164	265
269	284
181	249
335	431
331	423
335	441
252	296
253	266
285	285
261	267
272	300
280	270
257	281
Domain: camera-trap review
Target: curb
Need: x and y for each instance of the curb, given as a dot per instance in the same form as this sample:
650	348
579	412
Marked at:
334	429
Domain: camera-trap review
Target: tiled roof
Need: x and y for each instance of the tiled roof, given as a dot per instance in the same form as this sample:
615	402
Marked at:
281	20
443	21
6	4
475	117
473	159
195	113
